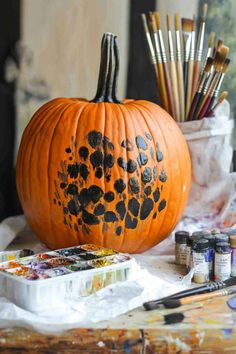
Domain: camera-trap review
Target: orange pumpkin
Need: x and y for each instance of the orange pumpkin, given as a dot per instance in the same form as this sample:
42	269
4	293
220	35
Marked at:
101	171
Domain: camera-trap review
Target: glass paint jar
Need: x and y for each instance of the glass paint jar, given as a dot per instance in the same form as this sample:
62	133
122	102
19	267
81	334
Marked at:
233	254
189	253
222	267
201	261
222	238
211	239
180	247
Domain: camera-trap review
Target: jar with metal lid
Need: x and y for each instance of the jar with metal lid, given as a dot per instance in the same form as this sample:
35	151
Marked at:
233	254
215	231
222	268
201	261
211	239
222	238
180	246
200	234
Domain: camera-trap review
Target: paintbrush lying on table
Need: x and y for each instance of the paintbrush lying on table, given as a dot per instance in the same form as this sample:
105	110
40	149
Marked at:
208	288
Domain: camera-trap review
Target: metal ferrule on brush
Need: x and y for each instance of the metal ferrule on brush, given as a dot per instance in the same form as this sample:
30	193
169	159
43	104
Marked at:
202	81
163	52
187	47
200	43
158	50
152	52
207	84
171	47
192	50
178	46
218	85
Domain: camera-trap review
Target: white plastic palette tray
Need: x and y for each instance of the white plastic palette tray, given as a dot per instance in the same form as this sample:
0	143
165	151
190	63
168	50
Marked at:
43	281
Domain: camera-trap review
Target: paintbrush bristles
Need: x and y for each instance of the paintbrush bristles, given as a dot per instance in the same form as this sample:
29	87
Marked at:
225	65
145	25
204	12
187	24
211	40
209	64
177	21
158	19
168	22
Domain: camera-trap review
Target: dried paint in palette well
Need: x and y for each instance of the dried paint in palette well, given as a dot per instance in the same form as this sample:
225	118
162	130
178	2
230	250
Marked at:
39	281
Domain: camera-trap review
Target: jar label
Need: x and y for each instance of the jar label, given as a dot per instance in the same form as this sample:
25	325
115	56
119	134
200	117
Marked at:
200	261
222	266
180	253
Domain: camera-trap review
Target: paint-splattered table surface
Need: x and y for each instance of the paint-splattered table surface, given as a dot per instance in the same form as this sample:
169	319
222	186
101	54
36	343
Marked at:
208	327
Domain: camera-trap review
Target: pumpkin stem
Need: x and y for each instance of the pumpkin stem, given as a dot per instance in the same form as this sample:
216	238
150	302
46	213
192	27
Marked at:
108	72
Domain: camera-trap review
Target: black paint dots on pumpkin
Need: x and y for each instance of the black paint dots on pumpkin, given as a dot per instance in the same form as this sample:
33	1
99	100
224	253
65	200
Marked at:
159	156
133	185
99	210
148	190
95	193
84	197
96	158
68	150
121	209
54	201
118	230
65	210
152	153
63	185
89	218
156	195
83	170
108	161
155	173
163	176
73	207
146	175
146	208
131	166
72	189
79	221
130	223
99	172
148	136
126	143
162	205
94	138
134	206
83	152
119	185
121	162
154	215
107	144
141	143
110	216
142	159
109	197
73	170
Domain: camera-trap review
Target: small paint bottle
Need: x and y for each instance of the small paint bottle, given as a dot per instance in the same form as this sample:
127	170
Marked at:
180	246
189	254
200	234
201	261
233	255
211	239
222	238
222	267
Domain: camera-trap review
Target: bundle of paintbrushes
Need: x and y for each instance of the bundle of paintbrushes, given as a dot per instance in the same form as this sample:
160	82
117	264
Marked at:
189	82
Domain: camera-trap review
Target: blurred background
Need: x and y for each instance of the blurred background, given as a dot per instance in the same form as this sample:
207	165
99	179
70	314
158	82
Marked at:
51	48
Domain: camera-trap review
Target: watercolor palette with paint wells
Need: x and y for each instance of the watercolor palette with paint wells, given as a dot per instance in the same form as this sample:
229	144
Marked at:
42	281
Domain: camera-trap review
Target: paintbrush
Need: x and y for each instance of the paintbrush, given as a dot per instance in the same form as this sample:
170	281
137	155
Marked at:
210	50
198	95
179	67
207	288
159	65
187	25
165	66
190	69
219	101
174	303
172	67
198	57
149	41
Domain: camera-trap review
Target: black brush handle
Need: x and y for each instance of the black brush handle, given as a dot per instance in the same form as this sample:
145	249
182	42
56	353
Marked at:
194	105
211	104
185	70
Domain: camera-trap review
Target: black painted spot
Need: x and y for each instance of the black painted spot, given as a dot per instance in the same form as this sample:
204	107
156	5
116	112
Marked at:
146	208
84	197
131	166
72	189
108	177
148	190
94	138
133	185
126	143
83	152
63	185
163	176
65	210
159	156
121	162
121	209
156	195
68	150
70	158
162	205
54	201
146	175
118	230
148	136
99	172
108	161
152	153
73	207
89	218
59	203
109	197
142	159
95	193
134	206
130	223
107	143
99	210
110	216
141	143
84	171
155	173
73	170
119	185
79	221
96	158
154	215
